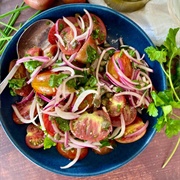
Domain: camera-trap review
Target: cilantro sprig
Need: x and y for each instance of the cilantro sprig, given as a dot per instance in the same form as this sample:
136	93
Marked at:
168	55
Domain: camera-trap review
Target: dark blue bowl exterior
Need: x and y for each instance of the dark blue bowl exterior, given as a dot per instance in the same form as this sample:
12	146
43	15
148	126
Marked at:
92	164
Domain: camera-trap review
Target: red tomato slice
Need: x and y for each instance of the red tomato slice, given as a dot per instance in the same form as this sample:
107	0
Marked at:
99	33
48	124
51	37
34	137
126	63
91	127
129	114
24	111
71	154
115	105
67	36
20	74
105	150
133	127
82	55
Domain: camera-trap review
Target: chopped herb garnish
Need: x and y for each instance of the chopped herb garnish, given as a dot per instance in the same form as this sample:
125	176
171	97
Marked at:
57	79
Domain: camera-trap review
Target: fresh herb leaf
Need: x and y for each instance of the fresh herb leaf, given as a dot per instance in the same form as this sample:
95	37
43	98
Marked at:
48	143
57	79
63	124
32	65
168	55
152	110
92	54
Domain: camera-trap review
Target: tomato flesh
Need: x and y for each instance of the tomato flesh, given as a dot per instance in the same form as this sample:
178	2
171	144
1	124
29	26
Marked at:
71	154
125	62
67	36
133	127
34	137
99	33
82	55
91	126
41	84
48	124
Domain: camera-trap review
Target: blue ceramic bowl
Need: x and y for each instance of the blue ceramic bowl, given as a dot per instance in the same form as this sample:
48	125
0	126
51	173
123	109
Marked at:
117	26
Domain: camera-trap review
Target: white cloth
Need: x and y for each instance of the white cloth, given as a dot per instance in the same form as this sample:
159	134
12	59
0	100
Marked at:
154	19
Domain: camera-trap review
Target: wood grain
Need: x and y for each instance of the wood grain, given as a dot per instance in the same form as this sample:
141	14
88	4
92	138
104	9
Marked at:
147	166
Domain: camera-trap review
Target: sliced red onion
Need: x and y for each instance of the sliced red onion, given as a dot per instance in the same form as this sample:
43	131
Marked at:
81	22
35	58
83	110
115	133
123	127
68	103
131	58
65	81
32	108
74	160
82	143
81	98
66	115
56	129
71	25
138	131
25	121
90	28
4	83
52	60
64	68
60	40
27	98
116	82
122	75
55	140
68	62
44	98
145	68
40	117
34	74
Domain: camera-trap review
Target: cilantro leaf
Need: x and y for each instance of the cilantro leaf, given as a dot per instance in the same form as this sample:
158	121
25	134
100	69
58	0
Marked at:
48	143
63	124
57	79
92	54
152	110
32	65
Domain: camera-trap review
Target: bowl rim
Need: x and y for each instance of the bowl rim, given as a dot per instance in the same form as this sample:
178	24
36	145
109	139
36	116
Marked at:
19	32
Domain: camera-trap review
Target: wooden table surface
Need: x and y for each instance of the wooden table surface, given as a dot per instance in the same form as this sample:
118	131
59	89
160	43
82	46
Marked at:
147	166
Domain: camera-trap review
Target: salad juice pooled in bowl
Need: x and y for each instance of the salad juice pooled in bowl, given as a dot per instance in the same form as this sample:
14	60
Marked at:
80	95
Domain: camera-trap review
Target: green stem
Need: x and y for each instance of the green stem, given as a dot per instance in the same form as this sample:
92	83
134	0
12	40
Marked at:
3	34
171	155
164	70
13	11
35	14
170	79
7	25
175	115
5	38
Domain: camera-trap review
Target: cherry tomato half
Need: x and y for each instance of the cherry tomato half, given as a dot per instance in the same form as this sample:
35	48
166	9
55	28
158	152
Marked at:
126	64
99	33
129	114
24	109
82	55
133	127
115	105
20	74
91	126
34	137
105	150
48	124
71	154
67	36
41	84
